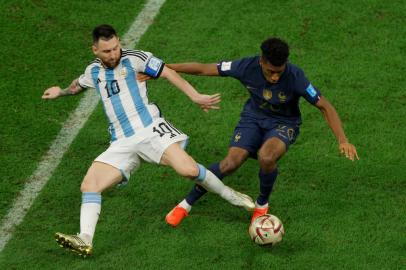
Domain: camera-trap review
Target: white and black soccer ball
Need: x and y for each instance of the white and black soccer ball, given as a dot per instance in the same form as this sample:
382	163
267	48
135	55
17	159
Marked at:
266	230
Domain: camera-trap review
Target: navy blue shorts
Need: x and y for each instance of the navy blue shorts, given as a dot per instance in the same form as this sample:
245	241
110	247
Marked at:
251	133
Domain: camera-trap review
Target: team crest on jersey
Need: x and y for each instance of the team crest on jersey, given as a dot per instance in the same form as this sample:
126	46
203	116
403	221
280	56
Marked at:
267	94
237	137
282	97
123	72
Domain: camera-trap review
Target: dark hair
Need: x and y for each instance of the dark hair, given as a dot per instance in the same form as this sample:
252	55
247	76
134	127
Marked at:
103	31
275	51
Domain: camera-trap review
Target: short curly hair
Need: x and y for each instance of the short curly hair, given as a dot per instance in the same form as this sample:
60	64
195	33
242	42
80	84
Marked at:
275	51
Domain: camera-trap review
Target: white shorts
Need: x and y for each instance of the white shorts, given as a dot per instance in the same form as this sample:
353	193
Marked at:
148	144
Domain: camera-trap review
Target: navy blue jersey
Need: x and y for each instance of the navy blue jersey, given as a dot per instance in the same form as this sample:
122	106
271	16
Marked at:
279	100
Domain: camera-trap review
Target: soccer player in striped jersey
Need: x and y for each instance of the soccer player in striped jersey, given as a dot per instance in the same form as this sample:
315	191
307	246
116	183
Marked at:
269	121
138	130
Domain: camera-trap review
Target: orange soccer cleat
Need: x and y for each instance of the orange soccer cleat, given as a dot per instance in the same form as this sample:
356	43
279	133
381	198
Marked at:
175	216
259	212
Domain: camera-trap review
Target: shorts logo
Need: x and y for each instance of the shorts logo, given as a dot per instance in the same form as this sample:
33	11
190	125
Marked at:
284	130
311	91
237	137
267	94
291	133
225	66
282	97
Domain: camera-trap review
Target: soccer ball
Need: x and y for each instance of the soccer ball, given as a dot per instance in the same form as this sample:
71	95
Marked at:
266	230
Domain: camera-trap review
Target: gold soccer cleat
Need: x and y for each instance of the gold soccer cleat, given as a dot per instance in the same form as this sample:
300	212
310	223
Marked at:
74	243
239	199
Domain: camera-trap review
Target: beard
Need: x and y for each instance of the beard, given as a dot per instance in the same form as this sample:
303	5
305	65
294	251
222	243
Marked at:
111	63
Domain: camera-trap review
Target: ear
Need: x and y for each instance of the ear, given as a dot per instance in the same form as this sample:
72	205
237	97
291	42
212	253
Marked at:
94	49
119	42
261	60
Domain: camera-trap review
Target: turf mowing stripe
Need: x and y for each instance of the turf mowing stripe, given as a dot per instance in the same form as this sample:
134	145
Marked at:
70	129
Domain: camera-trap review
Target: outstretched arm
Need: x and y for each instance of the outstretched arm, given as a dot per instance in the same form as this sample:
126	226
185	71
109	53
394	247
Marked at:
205	102
196	68
188	68
333	120
55	91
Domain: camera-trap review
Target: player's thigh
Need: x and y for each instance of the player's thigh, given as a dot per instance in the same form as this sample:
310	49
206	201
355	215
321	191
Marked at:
276	143
177	158
248	135
122	155
100	176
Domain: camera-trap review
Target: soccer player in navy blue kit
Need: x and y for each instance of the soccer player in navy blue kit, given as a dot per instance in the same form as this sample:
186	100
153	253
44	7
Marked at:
269	121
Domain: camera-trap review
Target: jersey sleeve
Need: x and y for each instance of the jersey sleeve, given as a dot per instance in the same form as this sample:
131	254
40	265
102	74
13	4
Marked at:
233	69
147	63
86	80
305	89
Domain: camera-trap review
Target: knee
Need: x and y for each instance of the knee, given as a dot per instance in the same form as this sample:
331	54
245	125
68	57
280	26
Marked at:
190	171
88	185
85	187
268	162
229	165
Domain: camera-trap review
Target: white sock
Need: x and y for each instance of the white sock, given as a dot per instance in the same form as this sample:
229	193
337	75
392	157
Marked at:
210	181
89	215
185	205
260	206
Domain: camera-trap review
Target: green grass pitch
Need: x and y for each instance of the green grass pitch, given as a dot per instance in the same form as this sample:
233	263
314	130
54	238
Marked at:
337	214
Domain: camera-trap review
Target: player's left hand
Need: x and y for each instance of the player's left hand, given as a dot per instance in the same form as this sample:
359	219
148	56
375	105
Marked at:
142	77
348	150
208	102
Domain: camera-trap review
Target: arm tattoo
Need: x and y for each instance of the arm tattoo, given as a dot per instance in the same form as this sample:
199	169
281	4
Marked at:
65	91
69	91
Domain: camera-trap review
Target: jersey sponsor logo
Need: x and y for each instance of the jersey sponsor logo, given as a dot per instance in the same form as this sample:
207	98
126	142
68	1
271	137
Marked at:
311	91
225	66
271	107
282	97
267	94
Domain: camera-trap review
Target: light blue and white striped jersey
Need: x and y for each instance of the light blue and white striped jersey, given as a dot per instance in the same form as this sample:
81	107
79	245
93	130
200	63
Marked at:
125	99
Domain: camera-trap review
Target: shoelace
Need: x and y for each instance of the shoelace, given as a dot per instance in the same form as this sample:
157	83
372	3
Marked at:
79	240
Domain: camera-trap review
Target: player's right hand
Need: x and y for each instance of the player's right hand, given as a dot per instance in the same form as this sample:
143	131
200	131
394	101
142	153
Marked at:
348	150
52	92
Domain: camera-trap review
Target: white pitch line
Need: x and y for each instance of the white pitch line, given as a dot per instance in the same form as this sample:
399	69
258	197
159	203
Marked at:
70	129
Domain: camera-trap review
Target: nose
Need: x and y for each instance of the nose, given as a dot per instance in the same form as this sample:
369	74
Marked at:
275	77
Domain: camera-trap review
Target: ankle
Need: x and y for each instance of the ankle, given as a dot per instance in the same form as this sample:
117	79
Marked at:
86	238
185	205
262	206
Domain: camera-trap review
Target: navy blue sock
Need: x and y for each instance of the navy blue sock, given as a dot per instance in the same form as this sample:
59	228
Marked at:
198	191
266	181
